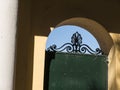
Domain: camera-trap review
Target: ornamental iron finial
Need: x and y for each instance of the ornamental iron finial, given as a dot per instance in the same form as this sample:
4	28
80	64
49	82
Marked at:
75	46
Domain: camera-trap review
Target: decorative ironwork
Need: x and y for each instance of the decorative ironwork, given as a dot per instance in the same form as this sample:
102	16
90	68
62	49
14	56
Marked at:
75	46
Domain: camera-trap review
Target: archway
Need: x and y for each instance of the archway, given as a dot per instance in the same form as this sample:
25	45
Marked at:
71	38
97	30
53	59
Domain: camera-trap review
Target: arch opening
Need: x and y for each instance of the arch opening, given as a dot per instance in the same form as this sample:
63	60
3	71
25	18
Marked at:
71	38
97	30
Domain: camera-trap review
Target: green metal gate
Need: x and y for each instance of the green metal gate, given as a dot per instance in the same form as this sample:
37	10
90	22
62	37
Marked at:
74	69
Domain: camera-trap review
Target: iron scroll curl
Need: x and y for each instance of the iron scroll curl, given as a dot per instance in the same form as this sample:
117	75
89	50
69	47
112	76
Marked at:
76	46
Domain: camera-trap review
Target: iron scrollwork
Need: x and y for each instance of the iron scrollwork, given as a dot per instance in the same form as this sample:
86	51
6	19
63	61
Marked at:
75	46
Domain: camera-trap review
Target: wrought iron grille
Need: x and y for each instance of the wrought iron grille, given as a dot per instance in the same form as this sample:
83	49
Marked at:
75	46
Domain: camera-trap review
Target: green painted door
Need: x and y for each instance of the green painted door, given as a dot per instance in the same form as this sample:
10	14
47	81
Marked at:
67	71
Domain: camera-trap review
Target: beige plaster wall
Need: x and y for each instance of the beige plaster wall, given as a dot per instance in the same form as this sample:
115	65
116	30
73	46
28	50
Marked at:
114	64
38	63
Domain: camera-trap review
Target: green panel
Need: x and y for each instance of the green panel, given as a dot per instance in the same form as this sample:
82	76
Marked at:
77	72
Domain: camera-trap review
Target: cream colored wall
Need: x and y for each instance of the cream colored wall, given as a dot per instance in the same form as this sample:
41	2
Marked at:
38	63
114	64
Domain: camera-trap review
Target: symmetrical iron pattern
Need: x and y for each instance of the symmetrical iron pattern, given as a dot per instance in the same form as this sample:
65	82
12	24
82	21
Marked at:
75	46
